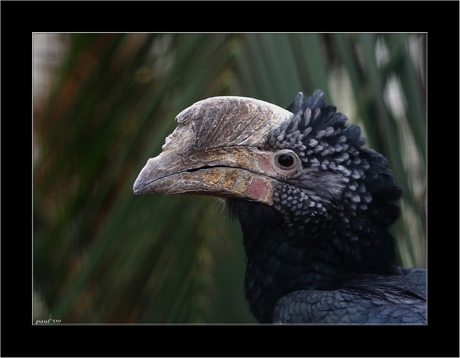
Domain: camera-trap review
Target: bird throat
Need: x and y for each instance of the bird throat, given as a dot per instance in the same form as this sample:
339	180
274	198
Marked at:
277	257
282	258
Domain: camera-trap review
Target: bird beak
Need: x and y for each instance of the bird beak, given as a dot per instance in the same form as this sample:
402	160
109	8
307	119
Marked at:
216	150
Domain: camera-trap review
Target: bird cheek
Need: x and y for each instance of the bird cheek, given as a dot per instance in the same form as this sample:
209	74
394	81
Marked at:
260	190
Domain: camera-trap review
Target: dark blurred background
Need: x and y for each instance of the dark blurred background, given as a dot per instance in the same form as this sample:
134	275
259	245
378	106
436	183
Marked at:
104	103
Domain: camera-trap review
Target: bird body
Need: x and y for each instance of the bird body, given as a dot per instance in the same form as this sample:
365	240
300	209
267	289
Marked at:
314	205
396	299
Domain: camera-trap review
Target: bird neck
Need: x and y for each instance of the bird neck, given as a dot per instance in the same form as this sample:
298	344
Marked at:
283	258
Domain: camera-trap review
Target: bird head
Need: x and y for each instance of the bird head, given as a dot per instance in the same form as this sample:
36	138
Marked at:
303	161
218	149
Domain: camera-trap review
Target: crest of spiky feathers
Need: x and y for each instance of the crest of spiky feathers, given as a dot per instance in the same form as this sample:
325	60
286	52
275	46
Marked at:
336	166
316	129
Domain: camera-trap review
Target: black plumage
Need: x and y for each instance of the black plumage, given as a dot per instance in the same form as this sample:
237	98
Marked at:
314	204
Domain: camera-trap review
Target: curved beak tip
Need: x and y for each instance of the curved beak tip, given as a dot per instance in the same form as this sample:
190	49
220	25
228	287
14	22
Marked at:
139	186
136	188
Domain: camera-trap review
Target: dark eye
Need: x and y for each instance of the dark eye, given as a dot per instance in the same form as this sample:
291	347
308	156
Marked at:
286	161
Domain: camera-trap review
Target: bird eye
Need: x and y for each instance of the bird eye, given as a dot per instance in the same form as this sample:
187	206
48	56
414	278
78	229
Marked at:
287	160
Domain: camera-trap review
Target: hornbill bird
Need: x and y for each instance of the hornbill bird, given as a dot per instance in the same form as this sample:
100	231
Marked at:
314	206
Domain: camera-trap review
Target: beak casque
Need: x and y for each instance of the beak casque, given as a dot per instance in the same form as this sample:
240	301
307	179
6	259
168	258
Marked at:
216	149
